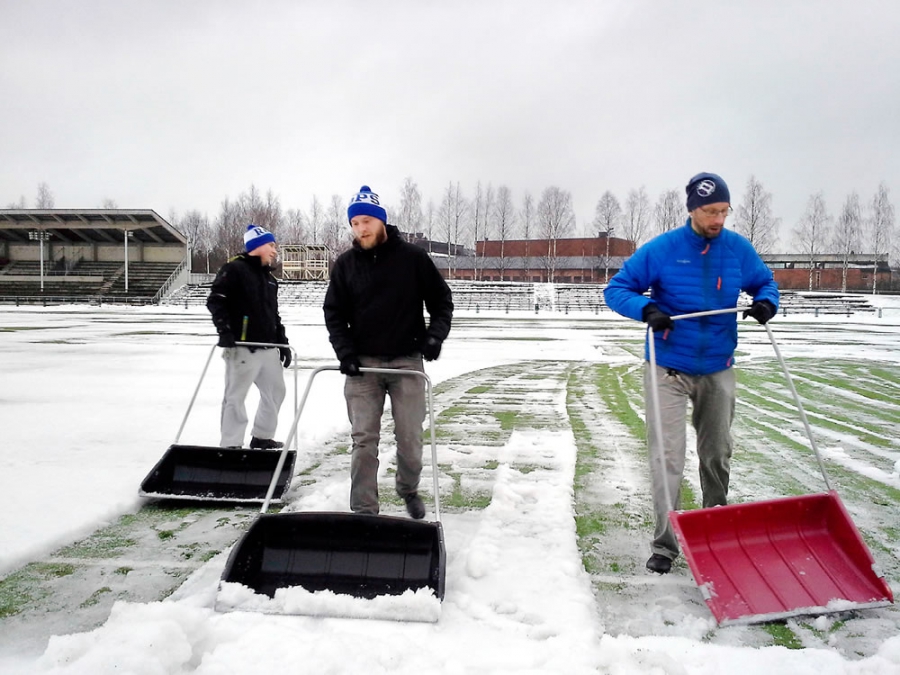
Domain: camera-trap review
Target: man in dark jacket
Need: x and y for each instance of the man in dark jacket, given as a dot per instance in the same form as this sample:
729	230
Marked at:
695	268
243	302
373	312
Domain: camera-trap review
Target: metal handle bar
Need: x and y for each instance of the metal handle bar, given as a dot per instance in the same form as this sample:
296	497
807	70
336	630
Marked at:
388	371
654	394
206	367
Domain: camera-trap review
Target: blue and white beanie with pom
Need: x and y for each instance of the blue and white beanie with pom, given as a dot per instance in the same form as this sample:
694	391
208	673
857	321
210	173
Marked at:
256	236
366	203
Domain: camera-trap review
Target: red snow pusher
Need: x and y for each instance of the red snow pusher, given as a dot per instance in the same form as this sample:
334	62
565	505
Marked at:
780	558
215	474
363	556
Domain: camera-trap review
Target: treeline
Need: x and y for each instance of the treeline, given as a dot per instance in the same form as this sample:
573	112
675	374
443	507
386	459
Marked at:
863	223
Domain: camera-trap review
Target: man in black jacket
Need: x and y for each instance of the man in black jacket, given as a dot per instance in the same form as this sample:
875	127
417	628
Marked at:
244	306
373	312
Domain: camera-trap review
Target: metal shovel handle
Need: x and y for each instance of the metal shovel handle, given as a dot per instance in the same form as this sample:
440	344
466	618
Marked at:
654	394
387	371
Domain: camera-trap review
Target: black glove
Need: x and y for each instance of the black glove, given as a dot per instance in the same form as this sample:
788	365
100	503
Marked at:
226	340
285	355
761	310
350	366
656	319
431	350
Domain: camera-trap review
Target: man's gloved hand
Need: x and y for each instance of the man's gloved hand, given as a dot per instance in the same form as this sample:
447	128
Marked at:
656	319
285	354
350	366
431	350
761	310
226	340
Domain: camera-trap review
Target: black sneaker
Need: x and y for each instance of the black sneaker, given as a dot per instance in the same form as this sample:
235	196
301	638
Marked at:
414	506
265	444
659	564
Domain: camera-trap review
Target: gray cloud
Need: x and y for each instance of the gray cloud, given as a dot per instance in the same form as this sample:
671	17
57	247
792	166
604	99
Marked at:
173	105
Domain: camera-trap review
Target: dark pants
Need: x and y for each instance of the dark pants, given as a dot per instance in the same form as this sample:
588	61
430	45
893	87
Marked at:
365	397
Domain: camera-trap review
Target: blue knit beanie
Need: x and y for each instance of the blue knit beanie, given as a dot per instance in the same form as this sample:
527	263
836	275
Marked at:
706	188
256	236
365	203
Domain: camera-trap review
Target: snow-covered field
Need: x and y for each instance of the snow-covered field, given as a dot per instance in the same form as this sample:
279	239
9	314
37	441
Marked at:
90	399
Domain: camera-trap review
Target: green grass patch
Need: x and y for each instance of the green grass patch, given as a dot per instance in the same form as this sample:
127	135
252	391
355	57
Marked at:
782	635
26	586
94	598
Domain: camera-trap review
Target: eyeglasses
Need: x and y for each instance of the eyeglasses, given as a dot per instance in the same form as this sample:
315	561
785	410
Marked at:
715	213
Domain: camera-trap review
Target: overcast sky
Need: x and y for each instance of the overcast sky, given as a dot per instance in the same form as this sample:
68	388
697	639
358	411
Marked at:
176	105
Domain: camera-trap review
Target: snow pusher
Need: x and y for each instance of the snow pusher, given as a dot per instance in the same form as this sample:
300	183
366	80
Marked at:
780	558
215	474
362	556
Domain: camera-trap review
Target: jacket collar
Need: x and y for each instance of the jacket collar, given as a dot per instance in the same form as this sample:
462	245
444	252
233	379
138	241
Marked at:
695	240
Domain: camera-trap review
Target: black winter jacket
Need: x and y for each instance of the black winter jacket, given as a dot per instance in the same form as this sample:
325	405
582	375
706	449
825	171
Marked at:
373	306
243	301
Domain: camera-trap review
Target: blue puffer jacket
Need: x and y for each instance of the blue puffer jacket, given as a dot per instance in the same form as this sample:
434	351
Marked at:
687	273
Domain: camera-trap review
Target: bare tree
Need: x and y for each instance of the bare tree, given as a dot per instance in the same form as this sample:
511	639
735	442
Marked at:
669	211
230	227
195	226
430	220
108	203
337	232
21	204
811	234
409	218
259	210
293	227
314	220
607	217
527	221
451	219
556	218
480	211
880	228
636	217
504	221
754	218
44	197
848	235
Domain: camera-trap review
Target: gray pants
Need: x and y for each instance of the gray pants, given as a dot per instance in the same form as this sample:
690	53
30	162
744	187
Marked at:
365	406
261	367
712	398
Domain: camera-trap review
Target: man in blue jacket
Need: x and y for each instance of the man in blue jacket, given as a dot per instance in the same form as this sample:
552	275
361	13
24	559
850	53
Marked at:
695	268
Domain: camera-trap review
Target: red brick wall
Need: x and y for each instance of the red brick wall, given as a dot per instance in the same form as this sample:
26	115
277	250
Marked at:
591	246
829	279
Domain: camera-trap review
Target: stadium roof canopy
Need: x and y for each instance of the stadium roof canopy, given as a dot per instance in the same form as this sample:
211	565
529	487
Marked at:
94	226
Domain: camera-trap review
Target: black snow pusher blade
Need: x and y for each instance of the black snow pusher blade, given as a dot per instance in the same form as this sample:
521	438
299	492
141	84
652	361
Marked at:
359	555
204	473
347	554
218	474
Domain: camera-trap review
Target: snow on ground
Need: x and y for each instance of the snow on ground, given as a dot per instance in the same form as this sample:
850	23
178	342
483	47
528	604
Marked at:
90	399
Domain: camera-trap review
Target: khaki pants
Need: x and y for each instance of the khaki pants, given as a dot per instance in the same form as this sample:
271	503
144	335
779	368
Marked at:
365	405
712	399
261	367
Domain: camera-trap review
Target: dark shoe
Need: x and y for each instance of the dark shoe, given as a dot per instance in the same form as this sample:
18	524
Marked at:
265	444
659	564
414	506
